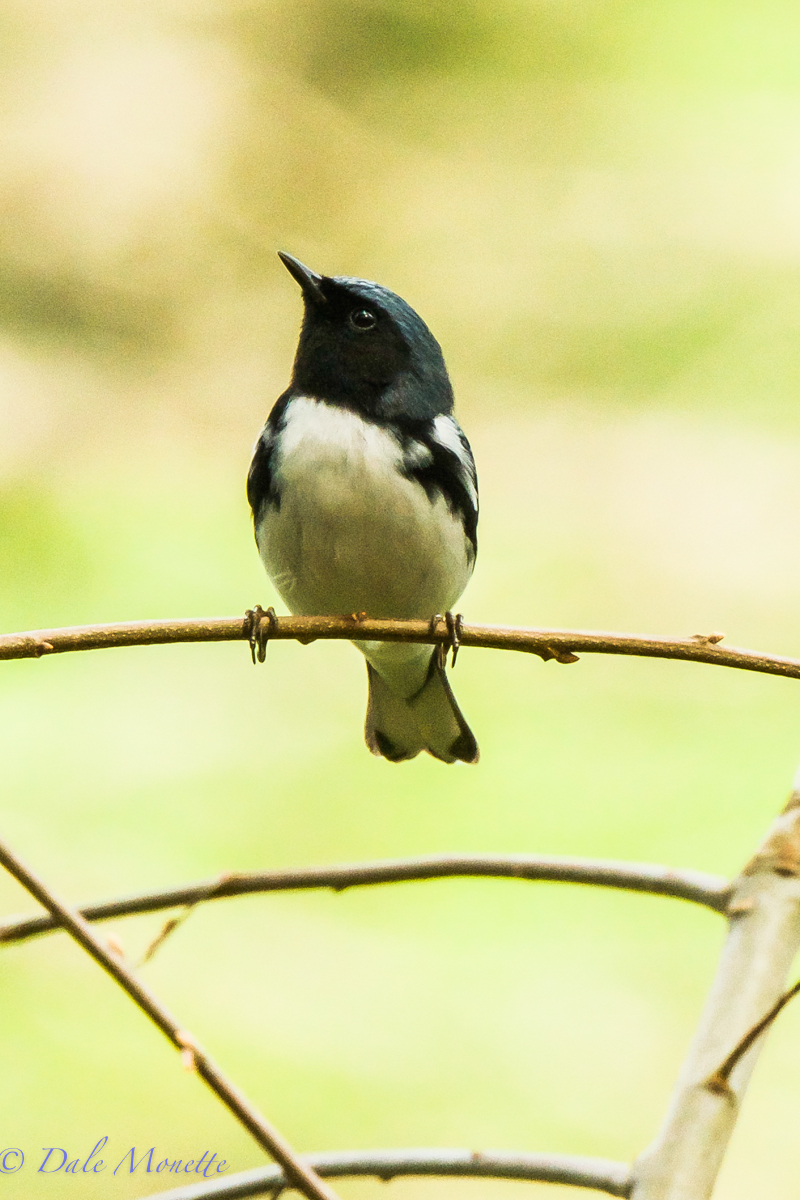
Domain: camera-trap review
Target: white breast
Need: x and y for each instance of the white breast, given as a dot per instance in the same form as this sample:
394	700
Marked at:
352	534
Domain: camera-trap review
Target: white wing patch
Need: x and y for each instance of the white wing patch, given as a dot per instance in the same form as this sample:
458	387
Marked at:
448	435
417	455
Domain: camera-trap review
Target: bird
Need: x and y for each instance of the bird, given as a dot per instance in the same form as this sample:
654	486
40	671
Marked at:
364	497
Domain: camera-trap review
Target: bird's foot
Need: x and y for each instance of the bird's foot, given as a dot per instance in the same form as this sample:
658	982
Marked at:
454	623
258	627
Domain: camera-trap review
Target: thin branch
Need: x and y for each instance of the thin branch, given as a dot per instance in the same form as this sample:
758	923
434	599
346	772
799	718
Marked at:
169	927
560	644
683	1162
194	1056
166	932
719	1081
601	1174
710	890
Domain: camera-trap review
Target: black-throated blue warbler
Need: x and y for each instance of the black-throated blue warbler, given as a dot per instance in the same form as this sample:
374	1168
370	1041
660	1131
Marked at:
365	500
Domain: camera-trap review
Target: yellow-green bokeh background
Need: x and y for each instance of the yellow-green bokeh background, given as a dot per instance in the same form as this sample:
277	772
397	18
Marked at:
596	206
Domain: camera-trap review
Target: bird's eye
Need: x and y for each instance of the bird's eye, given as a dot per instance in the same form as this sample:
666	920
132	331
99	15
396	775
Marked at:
363	319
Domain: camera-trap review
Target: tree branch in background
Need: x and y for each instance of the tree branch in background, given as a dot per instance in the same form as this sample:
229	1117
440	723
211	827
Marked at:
560	644
297	1174
710	890
683	1162
601	1174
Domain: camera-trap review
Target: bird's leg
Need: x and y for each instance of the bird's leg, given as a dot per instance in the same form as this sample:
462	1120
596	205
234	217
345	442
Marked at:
441	652
455	623
258	626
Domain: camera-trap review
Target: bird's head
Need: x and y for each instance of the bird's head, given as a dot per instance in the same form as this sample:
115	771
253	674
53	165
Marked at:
362	347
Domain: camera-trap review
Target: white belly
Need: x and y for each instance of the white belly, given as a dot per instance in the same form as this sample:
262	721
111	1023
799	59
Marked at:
351	534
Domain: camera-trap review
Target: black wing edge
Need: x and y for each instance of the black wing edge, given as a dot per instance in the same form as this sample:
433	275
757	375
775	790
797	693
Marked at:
445	472
261	488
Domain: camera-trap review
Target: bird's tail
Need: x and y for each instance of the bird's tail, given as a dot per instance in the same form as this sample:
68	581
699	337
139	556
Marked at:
398	728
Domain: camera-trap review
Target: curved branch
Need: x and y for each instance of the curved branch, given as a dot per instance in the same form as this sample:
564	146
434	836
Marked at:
710	890
561	644
601	1174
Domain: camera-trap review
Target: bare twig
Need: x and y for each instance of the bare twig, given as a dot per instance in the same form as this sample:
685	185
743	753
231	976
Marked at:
169	926
302	1177
683	1162
559	644
710	890
719	1080
165	932
601	1174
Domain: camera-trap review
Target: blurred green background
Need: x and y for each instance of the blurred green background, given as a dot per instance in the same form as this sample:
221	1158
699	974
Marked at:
596	206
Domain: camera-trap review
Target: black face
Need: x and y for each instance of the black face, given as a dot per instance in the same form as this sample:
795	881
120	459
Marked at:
363	347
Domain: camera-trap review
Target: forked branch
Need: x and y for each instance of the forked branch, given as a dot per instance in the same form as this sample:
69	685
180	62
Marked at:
719	1080
683	1162
297	1173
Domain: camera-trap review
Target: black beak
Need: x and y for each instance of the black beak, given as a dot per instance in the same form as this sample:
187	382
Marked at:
309	280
